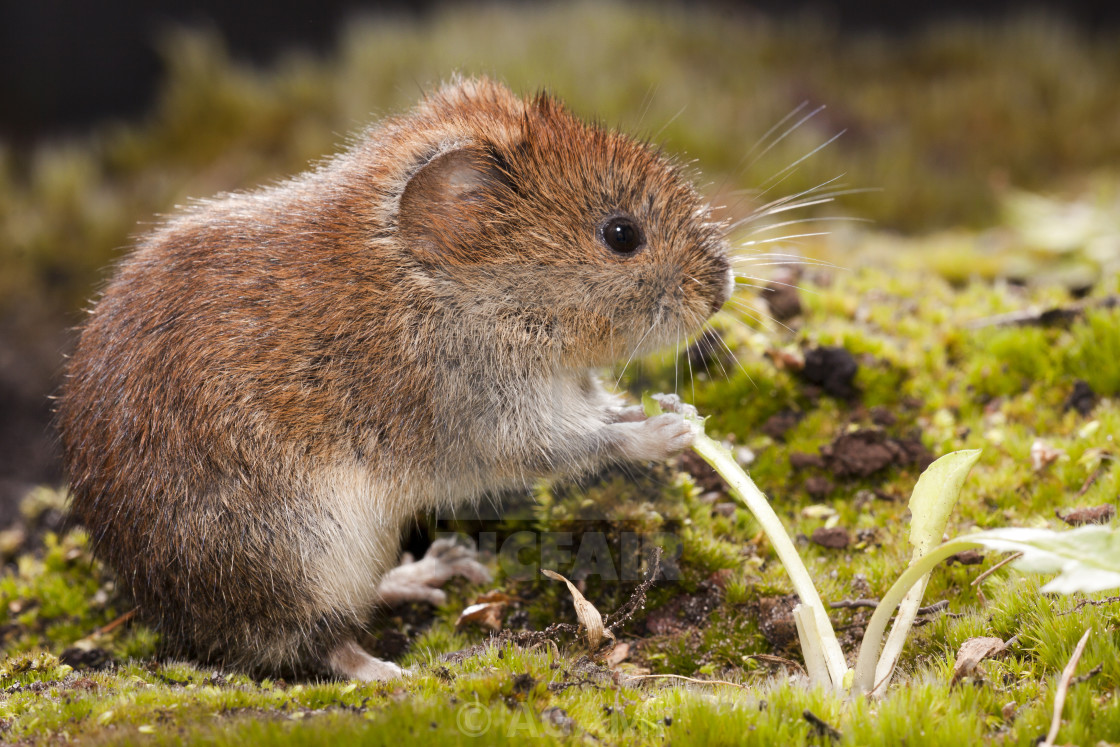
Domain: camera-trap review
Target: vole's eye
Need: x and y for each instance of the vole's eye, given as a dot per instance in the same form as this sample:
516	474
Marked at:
622	235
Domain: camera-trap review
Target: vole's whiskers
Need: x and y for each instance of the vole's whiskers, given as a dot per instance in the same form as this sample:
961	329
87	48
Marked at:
791	238
814	191
691	375
677	361
791	260
788	131
793	166
671	120
651	94
756	286
754	314
769	283
730	352
634	352
799	221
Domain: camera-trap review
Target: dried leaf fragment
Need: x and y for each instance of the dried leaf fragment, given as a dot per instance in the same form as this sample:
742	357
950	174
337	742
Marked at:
617	655
485	611
972	652
1043	454
586	613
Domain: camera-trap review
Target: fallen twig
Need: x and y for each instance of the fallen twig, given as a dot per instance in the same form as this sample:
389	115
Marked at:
851	604
771	659
1046	317
1063	689
935	607
995	568
873	603
632	678
637	600
107	628
821	726
1083	602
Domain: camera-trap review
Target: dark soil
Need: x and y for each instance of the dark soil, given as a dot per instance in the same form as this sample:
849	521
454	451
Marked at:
833	369
865	452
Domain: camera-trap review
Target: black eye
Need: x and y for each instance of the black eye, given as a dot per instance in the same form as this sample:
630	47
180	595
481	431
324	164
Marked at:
622	235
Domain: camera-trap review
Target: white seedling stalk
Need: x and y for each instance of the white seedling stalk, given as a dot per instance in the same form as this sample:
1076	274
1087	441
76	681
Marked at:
821	646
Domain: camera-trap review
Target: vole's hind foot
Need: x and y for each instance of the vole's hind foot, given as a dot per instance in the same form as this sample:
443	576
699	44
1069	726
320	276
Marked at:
351	661
415	580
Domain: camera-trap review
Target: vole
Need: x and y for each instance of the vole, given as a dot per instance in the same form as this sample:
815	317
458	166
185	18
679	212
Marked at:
274	382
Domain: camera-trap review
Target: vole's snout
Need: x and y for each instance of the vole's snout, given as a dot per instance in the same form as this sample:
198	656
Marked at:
723	291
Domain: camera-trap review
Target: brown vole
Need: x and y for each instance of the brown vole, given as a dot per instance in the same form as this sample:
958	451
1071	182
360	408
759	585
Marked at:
274	382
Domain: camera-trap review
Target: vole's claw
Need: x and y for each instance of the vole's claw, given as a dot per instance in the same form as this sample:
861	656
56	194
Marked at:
415	580
673	403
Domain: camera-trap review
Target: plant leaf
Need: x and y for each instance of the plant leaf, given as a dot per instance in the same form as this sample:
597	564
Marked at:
934	497
932	501
1086	559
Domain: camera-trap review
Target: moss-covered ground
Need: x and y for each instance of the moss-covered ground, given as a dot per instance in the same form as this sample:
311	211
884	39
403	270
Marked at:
966	235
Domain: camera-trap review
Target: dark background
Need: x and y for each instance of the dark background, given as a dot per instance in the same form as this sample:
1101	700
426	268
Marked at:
66	64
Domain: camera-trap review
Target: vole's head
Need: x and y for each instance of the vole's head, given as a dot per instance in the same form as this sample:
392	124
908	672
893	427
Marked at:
577	236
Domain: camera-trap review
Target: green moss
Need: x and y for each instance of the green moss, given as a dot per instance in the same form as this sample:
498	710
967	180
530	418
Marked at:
916	311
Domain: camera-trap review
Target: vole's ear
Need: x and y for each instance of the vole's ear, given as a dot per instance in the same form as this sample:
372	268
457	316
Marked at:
449	196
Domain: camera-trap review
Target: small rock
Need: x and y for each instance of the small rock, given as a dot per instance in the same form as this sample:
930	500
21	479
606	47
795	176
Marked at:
972	652
836	538
80	658
1043	454
776	426
882	417
865	452
724	509
558	718
966	557
775	620
744	456
801	460
523	683
867	535
1082	398
818	487
784	301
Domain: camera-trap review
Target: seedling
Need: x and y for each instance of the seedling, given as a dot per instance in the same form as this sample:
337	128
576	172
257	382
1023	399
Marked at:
1086	559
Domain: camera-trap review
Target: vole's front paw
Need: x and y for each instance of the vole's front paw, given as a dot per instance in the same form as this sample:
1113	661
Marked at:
415	580
656	438
629	414
635	413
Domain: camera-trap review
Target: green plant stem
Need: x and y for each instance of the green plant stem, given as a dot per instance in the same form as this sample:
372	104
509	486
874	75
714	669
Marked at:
747	493
864	681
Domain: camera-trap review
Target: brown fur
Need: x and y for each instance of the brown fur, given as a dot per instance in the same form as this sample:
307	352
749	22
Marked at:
274	381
